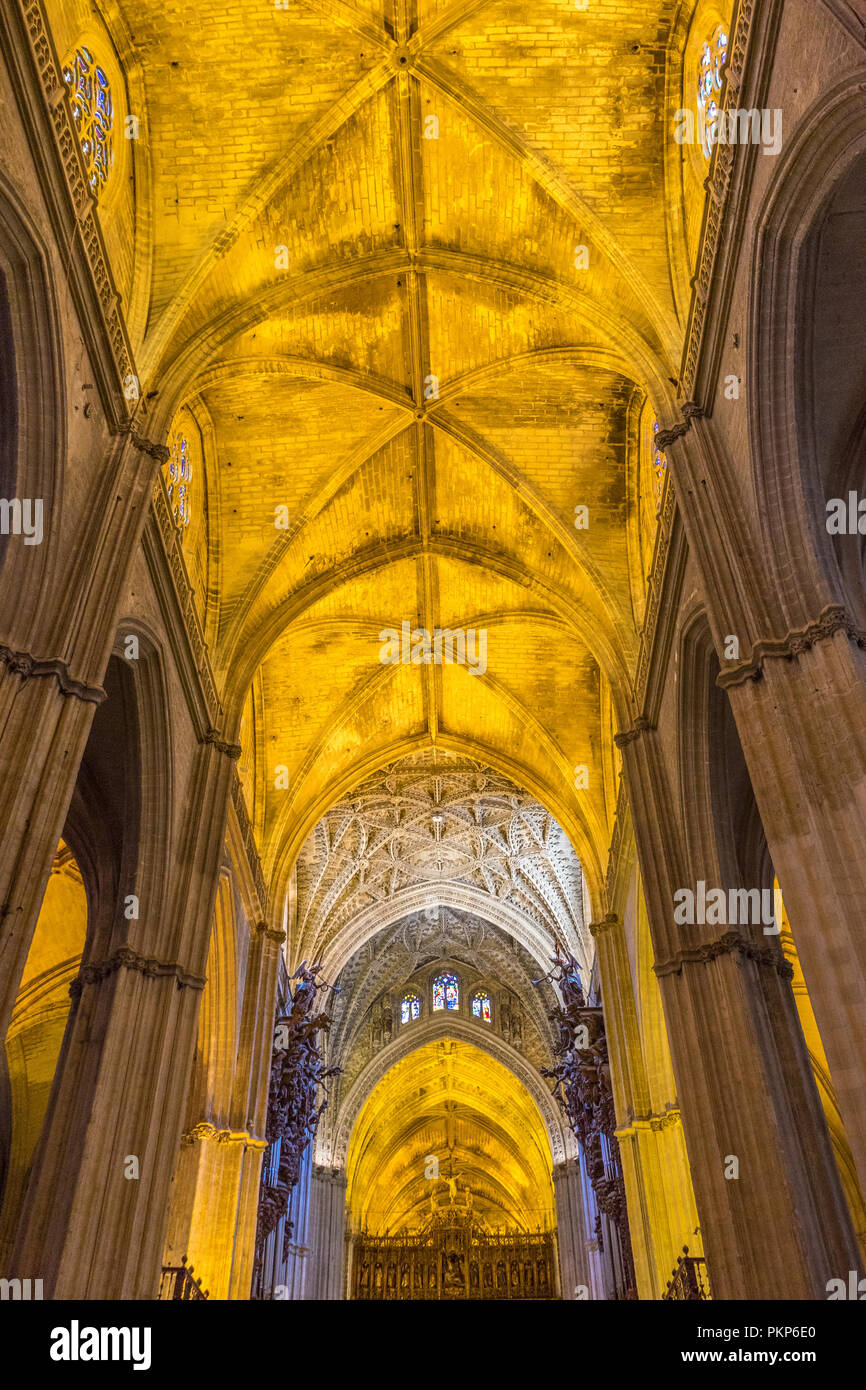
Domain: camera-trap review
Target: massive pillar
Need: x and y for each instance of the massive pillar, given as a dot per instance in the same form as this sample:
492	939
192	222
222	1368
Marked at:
95	1215
661	1201
800	712
600	1281
315	1263
50	674
247	1217
250	1094
772	1212
45	718
797	691
291	1269
213	1208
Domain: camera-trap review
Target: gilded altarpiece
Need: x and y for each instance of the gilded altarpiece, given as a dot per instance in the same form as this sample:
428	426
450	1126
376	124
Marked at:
454	1257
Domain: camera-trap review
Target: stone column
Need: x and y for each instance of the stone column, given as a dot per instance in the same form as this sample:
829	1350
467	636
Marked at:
214	1196
95	1215
628	1079
45	718
327	1234
780	1229
209	1221
599	1288
295	1269
661	1207
660	1197
800	710
249	1108
571	1231
798	697
247	1215
50	685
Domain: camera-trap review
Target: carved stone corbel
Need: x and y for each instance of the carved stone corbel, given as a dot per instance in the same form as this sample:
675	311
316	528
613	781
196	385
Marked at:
216	740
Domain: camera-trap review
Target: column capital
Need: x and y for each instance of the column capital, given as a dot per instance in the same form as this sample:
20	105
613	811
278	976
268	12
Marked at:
607	923
159	452
723	946
127	959
653	1122
29	667
271	933
832	619
640	726
199	1132
205	1130
335	1177
216	740
665	438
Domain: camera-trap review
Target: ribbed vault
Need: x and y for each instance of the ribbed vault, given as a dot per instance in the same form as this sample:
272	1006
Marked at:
437	864
450	1102
402	272
430	826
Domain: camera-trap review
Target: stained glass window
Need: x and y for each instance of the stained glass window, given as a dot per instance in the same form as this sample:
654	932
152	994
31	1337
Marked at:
93	112
660	463
481	1006
713	55
445	992
179	478
410	1008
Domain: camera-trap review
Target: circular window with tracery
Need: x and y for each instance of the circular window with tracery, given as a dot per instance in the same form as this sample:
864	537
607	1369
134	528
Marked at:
93	113
710	65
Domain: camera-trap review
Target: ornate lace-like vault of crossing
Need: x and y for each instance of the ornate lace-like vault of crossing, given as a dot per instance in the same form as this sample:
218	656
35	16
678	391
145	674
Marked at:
423	828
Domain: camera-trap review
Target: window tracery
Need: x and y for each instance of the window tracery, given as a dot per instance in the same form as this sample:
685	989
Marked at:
710	64
179	477
93	113
410	1008
660	464
446	992
481	1006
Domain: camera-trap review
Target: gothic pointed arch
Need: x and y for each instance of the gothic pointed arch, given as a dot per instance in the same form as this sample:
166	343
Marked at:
798	420
33	398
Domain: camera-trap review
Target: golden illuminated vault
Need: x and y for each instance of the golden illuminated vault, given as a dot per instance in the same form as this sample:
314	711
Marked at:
431	588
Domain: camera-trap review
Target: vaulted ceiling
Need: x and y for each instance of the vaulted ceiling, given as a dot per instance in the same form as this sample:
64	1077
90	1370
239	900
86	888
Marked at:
450	1102
412	278
436	863
416	273
430	830
402	959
